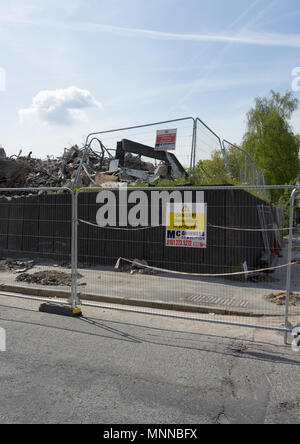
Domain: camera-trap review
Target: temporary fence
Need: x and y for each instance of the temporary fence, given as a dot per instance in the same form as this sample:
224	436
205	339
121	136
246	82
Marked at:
206	143
216	254
232	269
195	141
145	135
248	172
35	239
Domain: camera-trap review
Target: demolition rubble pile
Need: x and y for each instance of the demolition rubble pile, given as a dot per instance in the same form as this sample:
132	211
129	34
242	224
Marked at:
25	171
52	278
279	298
15	266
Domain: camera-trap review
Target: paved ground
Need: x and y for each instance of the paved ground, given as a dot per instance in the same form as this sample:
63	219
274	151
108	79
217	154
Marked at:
112	367
241	297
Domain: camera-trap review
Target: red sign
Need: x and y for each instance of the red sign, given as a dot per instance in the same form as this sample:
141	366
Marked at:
166	140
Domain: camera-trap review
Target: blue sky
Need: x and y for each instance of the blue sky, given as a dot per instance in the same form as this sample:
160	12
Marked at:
131	62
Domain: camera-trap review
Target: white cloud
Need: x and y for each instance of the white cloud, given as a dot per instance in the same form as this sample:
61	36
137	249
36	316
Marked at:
61	106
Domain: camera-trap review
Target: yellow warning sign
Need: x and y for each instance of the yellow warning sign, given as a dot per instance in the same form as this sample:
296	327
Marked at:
186	221
186	225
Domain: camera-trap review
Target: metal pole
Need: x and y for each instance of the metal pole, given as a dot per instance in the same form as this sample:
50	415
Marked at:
189	318
85	148
75	251
223	148
194	147
198	188
289	268
73	257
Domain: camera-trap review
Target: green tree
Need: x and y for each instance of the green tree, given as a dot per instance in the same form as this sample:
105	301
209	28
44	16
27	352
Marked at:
270	140
213	171
236	161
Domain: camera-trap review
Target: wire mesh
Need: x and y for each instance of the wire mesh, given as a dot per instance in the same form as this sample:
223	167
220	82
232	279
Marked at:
146	135
248	173
295	320
237	276
36	240
207	142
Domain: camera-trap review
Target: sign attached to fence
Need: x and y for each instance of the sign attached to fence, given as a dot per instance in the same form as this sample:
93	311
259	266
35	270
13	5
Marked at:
186	225
166	140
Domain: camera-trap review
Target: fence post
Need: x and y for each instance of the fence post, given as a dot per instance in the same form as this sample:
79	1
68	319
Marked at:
194	147
74	253
289	268
223	149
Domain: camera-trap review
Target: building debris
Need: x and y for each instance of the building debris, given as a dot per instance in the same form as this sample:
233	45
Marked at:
136	268
2	152
279	298
96	168
53	278
16	266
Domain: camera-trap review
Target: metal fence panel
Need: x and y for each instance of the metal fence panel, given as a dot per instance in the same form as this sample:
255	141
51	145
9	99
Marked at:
146	135
36	241
292	289
248	173
236	263
206	143
238	278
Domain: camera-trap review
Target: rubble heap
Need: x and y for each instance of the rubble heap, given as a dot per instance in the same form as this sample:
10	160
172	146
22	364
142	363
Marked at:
279	298
52	278
25	171
15	266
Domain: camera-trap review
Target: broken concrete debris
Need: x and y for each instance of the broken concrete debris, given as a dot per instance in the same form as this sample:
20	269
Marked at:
53	278
97	169
139	266
279	298
46	277
16	266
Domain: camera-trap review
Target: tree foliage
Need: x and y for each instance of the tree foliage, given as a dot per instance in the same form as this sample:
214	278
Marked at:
270	140
213	171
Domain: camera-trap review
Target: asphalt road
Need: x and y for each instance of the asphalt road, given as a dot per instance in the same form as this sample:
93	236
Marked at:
112	367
